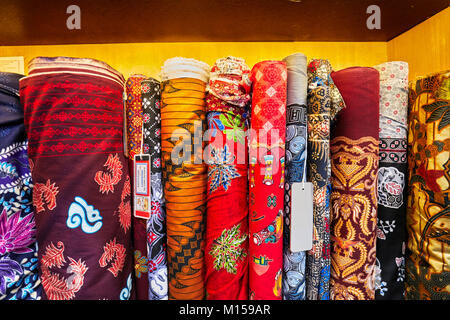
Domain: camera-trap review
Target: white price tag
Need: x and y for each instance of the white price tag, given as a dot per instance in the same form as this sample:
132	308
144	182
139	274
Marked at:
301	216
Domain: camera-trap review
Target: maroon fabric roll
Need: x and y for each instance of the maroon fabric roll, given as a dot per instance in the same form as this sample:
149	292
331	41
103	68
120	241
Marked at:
354	167
74	121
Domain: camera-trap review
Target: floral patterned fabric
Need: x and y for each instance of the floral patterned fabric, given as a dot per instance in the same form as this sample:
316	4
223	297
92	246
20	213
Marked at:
294	262
81	195
19	279
183	123
324	104
354	167
391	215
428	206
267	179
134	113
156	225
226	251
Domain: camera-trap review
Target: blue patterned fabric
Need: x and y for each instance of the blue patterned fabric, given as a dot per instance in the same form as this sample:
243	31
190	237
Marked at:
296	137
19	279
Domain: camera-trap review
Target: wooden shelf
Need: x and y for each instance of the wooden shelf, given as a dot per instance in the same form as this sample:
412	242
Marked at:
37	22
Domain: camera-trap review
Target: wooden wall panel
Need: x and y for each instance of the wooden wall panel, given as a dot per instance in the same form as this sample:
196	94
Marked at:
426	47
148	58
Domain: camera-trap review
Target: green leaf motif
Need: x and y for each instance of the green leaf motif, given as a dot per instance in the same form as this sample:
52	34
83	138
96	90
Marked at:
227	250
237	131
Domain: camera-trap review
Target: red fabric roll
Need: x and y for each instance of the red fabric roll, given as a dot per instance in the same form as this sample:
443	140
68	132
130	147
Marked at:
354	167
267	151
74	120
134	137
226	254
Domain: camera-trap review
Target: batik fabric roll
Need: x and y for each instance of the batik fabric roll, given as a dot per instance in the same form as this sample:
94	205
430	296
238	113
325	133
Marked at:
294	262
428	206
267	180
19	278
354	166
74	121
324	104
183	112
156	225
393	168
134	138
226	259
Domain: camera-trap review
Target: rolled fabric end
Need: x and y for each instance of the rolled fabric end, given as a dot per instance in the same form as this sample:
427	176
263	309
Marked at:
40	65
179	67
229	86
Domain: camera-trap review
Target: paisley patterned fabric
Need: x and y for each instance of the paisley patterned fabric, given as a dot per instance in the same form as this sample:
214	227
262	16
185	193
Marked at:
134	137
391	216
19	279
267	179
156	225
324	104
354	166
428	207
294	262
226	251
183	123
81	196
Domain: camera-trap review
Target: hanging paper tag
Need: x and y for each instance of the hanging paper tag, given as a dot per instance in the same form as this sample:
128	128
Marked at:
142	186
301	216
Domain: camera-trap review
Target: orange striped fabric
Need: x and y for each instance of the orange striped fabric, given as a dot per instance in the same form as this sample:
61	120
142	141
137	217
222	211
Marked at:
183	112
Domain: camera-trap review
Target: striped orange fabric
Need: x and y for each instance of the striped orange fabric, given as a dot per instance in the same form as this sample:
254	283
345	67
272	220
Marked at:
184	177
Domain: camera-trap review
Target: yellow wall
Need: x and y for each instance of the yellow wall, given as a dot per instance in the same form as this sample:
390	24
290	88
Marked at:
147	58
425	47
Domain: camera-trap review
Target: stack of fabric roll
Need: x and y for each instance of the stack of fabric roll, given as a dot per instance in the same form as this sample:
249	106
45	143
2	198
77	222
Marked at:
294	263
156	225
354	161
227	145
19	278
149	236
74	121
266	180
428	207
183	111
226	251
134	138
391	216
324	104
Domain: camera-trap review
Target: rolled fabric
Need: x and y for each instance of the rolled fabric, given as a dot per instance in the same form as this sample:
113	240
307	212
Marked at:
183	113
354	166
156	225
134	138
393	168
226	260
74	121
296	137
324	104
19	278
266	180
428	207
